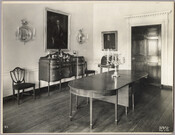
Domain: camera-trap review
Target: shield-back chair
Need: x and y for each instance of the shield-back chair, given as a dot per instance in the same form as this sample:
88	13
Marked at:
18	82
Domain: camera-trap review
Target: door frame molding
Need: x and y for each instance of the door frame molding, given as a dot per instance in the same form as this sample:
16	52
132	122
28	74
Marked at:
156	18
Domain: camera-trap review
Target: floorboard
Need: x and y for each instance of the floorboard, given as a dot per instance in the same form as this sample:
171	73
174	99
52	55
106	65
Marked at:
50	114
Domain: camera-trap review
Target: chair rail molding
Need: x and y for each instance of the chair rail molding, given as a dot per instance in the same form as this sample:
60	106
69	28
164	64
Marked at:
154	18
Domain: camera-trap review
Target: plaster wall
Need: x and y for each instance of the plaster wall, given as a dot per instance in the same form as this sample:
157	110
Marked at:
16	53
111	16
93	17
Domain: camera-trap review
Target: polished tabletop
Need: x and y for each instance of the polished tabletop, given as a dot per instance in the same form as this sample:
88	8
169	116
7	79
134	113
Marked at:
104	83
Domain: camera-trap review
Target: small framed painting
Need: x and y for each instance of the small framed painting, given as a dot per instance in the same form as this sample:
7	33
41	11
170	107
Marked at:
109	40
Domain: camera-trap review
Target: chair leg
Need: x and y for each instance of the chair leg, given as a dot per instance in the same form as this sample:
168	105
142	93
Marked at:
39	88
13	93
18	97
22	93
48	88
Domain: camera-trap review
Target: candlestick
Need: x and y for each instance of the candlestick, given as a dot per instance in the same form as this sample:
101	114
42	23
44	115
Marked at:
112	53
116	61
107	56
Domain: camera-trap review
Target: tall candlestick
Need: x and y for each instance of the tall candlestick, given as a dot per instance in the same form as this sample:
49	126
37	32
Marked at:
107	56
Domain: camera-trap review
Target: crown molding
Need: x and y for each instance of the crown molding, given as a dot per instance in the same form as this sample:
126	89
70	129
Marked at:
149	14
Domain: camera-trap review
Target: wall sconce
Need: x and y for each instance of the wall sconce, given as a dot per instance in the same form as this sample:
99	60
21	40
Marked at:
25	33
81	38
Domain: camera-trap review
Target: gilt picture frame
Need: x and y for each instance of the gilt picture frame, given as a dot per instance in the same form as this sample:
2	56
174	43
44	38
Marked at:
57	30
109	40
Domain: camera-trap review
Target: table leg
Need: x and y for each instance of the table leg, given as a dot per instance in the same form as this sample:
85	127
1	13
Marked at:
116	111
91	113
70	113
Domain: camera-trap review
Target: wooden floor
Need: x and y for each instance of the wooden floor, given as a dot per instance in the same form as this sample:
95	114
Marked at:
50	114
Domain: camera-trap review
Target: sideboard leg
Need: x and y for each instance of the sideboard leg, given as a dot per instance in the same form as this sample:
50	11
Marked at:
48	88
70	113
87	101
91	125
60	85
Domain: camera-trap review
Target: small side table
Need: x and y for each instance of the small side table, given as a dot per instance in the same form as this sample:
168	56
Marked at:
104	66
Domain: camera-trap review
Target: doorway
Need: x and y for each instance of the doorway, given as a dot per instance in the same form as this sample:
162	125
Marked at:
146	52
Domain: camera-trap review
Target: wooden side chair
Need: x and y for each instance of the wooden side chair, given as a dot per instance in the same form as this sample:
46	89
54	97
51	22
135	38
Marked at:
87	72
18	82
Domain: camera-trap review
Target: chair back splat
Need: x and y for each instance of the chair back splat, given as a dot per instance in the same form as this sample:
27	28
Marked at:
18	75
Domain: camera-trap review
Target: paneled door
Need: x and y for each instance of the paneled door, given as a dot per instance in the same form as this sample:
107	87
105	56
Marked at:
146	52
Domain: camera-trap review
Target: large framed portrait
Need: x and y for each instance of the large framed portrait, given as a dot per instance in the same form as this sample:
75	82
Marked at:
109	40
57	30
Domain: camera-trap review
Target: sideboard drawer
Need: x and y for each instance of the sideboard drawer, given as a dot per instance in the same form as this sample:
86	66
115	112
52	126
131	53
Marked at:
55	75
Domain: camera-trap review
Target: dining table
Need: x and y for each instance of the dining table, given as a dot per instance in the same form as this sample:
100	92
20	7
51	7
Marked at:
107	88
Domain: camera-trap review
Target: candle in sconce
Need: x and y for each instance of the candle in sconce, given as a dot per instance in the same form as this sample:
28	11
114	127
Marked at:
34	32
18	30
17	33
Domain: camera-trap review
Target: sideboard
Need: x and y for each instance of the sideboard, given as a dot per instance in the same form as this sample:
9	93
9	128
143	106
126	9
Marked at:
55	67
